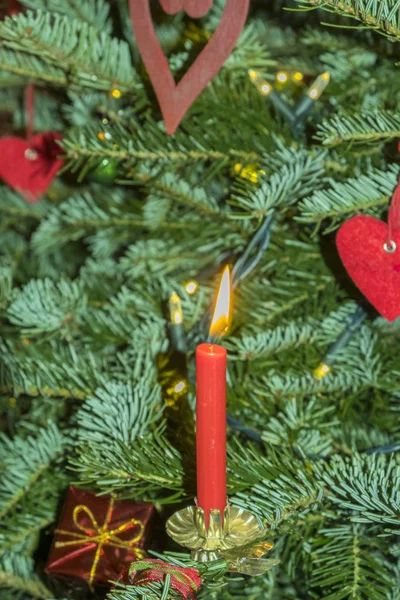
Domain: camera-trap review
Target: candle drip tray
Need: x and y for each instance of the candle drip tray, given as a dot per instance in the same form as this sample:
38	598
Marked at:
234	538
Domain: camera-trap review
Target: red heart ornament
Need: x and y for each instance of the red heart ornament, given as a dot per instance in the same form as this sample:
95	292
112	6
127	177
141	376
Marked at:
175	99
376	272
30	167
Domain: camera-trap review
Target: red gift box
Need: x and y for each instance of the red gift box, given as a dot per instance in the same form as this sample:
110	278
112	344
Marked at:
98	536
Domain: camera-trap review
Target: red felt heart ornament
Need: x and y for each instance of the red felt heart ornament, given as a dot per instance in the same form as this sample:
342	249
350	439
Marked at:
175	99
30	167
374	270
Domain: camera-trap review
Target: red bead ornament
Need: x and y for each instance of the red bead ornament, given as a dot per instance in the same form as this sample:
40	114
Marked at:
175	99
370	251
29	167
14	7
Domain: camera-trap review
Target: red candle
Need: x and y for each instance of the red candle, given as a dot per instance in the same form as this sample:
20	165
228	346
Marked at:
211	409
211	427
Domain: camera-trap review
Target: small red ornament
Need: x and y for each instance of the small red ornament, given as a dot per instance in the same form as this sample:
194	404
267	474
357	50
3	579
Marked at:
185	581
29	167
14	8
370	251
175	99
98	536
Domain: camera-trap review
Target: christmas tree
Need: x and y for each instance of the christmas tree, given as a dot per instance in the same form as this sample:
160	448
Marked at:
114	236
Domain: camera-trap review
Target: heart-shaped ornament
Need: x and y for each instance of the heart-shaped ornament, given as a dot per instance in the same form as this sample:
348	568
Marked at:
375	271
30	167
175	99
194	8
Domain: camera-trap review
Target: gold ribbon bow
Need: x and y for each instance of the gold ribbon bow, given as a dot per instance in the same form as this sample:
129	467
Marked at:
100	534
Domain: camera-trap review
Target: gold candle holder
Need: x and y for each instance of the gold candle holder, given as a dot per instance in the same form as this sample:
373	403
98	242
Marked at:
234	538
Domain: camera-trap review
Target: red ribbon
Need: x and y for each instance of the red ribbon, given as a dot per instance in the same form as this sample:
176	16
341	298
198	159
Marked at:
394	214
30	110
184	580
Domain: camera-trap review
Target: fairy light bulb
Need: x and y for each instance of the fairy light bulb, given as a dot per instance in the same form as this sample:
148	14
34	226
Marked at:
298	77
175	309
282	77
261	84
191	287
322	370
319	86
180	387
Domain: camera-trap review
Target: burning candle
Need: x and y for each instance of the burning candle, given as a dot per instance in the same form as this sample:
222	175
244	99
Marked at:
211	409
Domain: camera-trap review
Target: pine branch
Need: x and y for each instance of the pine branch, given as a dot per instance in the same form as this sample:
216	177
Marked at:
275	489
24	462
45	307
31	68
380	15
290	336
367	487
150	466
36	510
368	127
346	566
16	573
145	144
286	186
85	57
368	193
93	12
118	413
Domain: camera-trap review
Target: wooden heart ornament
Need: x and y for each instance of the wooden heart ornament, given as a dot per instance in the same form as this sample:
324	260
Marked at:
361	243
175	99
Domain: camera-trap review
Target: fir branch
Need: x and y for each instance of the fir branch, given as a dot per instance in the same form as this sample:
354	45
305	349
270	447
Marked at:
347	566
31	68
16	573
52	371
303	426
36	511
374	127
368	193
380	15
118	413
151	466
91	59
24	461
93	12
45	307
367	487
14	207
140	144
286	186
275	489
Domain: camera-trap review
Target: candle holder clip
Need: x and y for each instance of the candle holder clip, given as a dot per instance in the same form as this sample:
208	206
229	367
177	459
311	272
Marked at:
236	538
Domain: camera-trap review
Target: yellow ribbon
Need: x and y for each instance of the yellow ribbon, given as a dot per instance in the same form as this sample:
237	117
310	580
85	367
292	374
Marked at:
100	534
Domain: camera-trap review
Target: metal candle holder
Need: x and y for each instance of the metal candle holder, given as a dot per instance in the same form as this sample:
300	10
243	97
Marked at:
234	537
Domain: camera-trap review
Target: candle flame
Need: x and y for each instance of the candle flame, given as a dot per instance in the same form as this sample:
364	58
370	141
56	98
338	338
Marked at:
222	312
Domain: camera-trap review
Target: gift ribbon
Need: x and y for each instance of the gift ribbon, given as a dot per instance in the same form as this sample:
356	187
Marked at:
186	581
394	215
30	110
100	534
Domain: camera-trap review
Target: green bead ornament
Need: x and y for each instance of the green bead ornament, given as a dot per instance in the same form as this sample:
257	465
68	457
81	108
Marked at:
105	172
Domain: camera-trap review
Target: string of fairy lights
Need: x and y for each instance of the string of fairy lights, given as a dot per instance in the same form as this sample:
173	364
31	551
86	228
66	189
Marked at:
295	115
258	245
